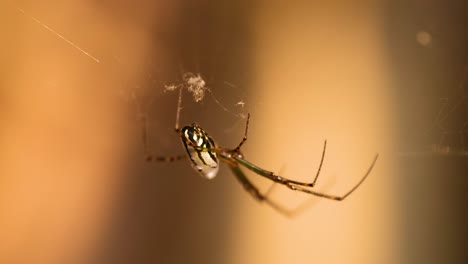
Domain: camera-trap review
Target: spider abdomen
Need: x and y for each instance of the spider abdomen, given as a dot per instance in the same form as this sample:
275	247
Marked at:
200	148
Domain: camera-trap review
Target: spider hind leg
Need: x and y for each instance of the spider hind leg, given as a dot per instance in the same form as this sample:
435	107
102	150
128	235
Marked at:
144	138
151	158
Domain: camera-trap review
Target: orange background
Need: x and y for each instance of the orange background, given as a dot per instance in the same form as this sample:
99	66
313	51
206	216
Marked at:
73	184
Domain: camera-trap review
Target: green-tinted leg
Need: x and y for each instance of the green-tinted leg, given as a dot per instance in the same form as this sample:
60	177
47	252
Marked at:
274	177
250	188
297	186
312	184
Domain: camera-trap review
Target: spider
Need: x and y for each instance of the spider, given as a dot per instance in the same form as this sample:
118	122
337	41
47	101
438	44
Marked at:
205	157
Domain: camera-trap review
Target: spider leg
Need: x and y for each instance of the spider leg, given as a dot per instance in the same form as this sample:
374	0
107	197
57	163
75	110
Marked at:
179	108
151	158
237	149
297	186
320	166
334	197
250	188
276	178
245	134
273	184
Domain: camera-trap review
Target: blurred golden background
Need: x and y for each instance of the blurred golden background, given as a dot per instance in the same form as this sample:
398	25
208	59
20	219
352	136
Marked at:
368	76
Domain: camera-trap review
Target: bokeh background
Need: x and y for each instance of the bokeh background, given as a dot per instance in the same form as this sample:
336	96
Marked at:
368	76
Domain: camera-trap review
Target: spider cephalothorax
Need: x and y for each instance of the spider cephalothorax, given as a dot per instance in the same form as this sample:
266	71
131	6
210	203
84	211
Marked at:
200	148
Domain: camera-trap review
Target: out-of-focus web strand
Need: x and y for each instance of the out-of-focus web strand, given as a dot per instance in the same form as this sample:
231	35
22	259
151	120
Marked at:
58	35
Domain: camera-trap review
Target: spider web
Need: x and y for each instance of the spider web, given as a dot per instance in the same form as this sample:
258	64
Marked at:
435	94
195	72
449	128
201	65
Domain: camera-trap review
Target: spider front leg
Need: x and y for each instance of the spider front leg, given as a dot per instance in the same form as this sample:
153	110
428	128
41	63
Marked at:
297	186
